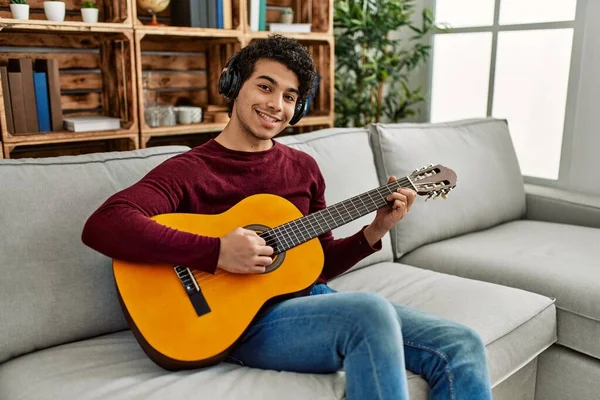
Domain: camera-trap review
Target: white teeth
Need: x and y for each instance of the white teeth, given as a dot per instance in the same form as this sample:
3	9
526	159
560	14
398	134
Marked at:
267	117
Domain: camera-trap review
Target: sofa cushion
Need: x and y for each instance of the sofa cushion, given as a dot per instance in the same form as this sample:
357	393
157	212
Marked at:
346	160
54	289
489	187
552	259
515	325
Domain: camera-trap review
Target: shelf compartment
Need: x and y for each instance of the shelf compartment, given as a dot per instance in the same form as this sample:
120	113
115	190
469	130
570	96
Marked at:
111	13
317	13
142	19
180	71
96	78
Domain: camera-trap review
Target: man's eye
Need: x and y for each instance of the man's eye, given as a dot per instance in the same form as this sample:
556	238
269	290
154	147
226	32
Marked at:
264	87
290	98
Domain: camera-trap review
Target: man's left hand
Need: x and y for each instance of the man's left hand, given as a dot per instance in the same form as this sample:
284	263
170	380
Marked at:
387	216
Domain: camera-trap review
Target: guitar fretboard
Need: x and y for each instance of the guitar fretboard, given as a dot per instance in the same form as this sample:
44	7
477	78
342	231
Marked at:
298	231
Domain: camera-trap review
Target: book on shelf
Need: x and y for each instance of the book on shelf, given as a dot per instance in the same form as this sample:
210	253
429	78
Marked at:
290	28
92	123
6	99
257	14
25	67
50	67
40	82
202	13
17	100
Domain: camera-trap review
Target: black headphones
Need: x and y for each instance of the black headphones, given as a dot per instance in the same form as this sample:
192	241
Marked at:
230	83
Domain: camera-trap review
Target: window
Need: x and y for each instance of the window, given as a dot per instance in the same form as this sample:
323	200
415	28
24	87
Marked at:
507	59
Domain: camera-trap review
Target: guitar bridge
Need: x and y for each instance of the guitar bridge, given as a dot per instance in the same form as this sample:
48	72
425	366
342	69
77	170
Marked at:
192	289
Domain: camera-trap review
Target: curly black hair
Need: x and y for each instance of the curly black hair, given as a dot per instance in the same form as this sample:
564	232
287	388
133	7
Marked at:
285	50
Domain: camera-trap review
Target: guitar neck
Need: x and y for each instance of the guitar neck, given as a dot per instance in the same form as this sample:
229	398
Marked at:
298	231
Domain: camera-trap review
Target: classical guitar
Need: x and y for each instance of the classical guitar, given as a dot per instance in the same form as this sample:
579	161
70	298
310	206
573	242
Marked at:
185	318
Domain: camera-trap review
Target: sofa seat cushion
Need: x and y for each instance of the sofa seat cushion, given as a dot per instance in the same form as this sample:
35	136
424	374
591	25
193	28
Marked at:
515	325
551	259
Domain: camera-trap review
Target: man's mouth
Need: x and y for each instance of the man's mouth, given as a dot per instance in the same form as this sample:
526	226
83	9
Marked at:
268	118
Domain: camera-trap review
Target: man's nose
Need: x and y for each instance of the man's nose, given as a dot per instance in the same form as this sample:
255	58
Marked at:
275	102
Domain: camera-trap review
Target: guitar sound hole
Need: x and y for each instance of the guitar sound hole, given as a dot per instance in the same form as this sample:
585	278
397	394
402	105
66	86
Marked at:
277	258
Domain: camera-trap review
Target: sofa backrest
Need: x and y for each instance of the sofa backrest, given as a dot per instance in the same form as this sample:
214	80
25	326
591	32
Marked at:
53	288
345	158
489	189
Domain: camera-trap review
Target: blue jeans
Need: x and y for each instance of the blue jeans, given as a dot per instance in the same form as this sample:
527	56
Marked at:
373	340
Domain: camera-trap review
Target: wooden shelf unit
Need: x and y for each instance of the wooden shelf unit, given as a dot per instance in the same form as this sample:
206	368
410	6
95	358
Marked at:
162	65
96	78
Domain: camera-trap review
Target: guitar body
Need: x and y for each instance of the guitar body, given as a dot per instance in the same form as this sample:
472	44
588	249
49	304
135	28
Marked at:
181	331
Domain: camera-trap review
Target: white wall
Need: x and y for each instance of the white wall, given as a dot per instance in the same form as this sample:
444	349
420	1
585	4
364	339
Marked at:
582	172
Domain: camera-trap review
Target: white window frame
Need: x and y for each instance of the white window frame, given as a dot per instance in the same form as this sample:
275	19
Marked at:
578	26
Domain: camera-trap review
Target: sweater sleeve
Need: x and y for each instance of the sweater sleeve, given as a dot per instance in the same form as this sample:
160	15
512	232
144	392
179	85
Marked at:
340	254
122	227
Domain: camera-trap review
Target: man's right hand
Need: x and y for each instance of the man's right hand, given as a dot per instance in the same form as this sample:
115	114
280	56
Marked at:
244	252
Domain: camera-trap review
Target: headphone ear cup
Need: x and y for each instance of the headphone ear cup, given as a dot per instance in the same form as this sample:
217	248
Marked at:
300	111
229	80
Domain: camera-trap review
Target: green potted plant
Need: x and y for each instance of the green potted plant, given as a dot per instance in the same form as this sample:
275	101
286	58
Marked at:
89	11
54	10
19	9
369	59
287	16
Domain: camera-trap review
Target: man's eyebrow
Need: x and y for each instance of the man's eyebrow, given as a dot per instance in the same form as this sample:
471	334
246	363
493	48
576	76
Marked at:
274	82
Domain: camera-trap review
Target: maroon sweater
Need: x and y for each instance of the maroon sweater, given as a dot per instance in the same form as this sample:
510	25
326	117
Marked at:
210	179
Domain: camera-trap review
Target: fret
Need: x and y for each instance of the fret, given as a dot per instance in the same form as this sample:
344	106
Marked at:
339	213
294	228
314	216
283	239
335	222
363	203
286	231
354	205
301	222
371	198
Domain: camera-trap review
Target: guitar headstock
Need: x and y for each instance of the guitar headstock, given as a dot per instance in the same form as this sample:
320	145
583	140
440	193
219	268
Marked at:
433	181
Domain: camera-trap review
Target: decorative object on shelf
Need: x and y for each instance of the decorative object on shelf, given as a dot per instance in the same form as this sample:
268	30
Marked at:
19	9
369	57
160	116
153	7
286	16
89	12
188	115
92	123
54	10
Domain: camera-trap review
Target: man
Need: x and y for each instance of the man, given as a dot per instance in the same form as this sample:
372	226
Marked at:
373	340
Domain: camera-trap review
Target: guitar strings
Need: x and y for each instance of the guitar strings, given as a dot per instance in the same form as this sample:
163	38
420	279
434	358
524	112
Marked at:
285	230
287	227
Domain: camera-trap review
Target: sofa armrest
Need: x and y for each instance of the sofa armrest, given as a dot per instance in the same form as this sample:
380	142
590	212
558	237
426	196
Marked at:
562	206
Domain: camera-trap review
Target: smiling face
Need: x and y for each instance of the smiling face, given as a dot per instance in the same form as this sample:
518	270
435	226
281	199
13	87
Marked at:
266	101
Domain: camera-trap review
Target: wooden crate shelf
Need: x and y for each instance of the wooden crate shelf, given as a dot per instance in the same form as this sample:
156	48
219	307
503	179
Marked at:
120	66
111	14
176	71
96	78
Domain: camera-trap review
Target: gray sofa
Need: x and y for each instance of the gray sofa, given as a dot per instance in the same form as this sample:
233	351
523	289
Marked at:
513	261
